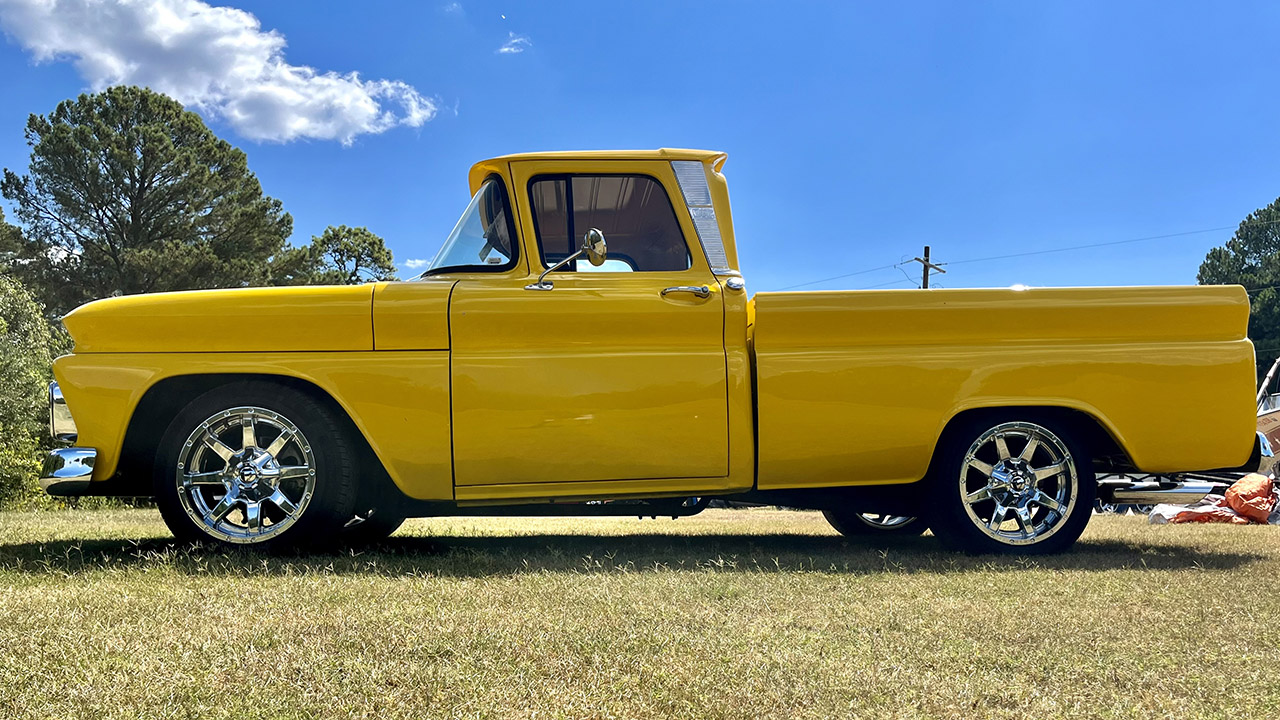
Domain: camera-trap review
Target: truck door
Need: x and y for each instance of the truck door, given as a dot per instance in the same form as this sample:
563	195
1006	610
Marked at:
618	372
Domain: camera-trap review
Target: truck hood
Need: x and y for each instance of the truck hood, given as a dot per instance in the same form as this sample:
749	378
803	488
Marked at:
282	319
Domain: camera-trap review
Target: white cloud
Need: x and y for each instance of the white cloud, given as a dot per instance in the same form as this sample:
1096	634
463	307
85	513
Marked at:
515	44
453	7
218	60
416	264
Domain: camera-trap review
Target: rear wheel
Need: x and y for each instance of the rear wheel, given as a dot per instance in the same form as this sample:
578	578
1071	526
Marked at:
1020	486
851	523
255	463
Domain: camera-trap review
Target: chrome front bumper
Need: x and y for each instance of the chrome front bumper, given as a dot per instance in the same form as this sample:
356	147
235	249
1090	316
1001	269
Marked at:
67	471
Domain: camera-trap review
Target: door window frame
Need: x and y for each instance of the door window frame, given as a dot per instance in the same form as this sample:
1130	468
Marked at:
568	177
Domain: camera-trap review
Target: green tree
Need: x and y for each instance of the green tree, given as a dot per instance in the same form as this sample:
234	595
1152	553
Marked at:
1252	258
10	243
340	255
127	192
25	360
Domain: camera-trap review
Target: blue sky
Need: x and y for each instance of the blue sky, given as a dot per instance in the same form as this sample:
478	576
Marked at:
856	132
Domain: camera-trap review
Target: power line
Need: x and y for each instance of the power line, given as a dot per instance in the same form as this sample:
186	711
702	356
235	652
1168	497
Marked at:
1086	247
840	277
1114	242
886	284
1048	251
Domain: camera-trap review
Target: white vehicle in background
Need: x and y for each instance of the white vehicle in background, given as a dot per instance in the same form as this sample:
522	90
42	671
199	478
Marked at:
1269	407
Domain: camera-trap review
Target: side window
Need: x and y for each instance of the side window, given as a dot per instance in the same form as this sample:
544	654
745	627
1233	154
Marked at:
482	238
633	212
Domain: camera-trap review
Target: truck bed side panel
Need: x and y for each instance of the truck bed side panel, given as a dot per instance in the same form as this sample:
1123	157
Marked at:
856	387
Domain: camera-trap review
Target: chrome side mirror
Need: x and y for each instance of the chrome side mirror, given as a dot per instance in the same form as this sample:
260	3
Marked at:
593	247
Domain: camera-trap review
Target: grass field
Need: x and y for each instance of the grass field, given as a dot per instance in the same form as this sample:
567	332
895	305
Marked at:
730	614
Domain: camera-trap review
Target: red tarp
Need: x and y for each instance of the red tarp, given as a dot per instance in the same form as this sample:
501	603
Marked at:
1251	498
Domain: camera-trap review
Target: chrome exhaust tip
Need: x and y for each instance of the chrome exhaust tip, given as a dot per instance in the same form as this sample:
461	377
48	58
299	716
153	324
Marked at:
1153	490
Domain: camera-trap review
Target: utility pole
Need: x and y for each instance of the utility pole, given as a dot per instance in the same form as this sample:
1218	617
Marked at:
927	266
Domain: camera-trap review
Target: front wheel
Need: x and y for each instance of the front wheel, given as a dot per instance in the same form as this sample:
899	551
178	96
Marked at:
372	528
852	523
1020	486
255	463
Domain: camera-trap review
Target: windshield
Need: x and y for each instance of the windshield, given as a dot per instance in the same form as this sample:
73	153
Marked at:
482	238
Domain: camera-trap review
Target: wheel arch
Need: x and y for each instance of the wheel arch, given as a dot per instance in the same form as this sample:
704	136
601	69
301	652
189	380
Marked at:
165	399
1107	451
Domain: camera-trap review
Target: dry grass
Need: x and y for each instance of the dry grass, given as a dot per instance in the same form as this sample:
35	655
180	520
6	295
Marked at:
729	614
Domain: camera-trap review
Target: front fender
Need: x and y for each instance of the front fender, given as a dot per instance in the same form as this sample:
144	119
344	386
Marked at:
398	401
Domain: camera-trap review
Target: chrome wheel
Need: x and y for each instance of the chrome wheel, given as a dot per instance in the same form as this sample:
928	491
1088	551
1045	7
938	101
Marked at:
1019	483
884	522
245	475
854	524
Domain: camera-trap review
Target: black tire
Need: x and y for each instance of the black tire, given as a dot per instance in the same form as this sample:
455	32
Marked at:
1011	484
852	523
317	450
375	528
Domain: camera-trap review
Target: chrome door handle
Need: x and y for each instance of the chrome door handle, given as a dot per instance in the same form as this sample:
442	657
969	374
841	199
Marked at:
701	291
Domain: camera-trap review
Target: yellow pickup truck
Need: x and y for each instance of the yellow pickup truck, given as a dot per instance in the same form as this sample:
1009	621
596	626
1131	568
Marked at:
584	343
